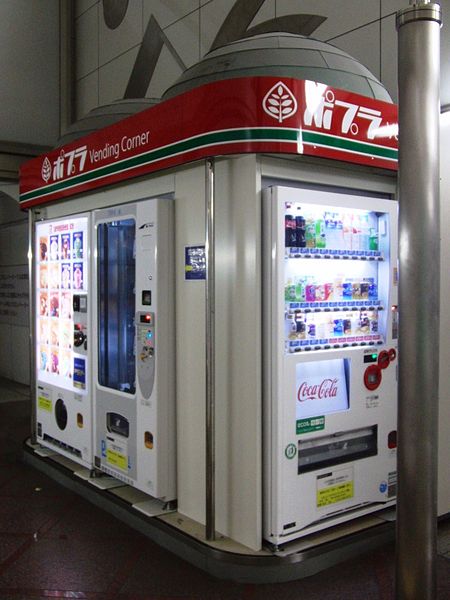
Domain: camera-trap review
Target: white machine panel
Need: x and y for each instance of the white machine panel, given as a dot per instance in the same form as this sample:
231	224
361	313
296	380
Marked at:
134	399
63	407
330	363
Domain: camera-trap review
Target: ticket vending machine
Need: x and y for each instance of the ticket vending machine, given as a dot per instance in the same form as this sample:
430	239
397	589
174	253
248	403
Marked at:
134	414
330	362
63	388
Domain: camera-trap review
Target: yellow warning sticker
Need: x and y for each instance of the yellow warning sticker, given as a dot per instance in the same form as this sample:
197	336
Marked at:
45	403
116	459
334	487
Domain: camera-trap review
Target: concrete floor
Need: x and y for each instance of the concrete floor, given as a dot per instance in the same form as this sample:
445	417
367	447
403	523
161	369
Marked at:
55	544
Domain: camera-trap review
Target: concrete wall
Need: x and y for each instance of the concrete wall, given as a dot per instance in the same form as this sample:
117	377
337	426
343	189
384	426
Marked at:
29	90
14	316
109	59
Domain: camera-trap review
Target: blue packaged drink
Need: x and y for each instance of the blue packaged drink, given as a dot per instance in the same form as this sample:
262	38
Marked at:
347	290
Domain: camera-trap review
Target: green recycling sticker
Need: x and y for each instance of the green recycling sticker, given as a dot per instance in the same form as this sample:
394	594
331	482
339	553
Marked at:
311	424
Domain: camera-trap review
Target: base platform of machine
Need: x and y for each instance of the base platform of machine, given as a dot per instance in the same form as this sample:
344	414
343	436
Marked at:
222	557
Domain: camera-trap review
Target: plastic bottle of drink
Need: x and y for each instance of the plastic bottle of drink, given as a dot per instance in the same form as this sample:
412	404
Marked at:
290	232
332	233
310	232
289	291
356	232
300	326
300	227
373	239
365	233
320	234
347	231
337	288
300	290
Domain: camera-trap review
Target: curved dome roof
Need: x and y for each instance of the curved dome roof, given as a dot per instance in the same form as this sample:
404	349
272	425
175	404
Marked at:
282	55
102	116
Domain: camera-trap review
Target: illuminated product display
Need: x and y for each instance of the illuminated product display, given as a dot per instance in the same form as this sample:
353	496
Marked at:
63	410
331	296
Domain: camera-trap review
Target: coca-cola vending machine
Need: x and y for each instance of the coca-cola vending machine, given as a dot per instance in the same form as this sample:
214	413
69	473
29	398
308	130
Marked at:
330	359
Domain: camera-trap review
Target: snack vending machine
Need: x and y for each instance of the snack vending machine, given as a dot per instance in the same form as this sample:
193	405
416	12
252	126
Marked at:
63	408
330	363
134	357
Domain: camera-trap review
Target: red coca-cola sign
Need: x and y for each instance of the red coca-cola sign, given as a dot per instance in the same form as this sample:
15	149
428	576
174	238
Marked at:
328	388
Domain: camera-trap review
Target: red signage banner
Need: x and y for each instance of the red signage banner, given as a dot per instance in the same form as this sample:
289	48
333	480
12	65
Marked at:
252	114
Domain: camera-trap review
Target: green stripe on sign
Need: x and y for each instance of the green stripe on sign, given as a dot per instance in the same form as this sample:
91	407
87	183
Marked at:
267	134
322	139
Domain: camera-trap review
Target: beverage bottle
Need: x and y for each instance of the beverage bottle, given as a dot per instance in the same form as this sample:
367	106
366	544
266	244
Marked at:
310	233
347	289
347	231
332	234
293	328
347	326
365	233
337	288
289	291
374	322
300	228
320	234
373	239
310	290
300	290
290	231
339	231
300	326
356	232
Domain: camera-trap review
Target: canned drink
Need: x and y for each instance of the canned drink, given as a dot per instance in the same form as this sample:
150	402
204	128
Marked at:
374	323
364	290
356	290
312	330
364	323
338	327
320	293
329	291
300	327
347	291
347	326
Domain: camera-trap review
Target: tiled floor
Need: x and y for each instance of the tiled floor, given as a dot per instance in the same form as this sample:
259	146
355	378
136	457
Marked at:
55	544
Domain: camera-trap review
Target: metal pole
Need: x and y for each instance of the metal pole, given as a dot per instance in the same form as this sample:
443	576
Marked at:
418	67
210	353
32	320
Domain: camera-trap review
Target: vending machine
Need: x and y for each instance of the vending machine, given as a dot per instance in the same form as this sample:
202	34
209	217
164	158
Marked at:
134	395
330	306
64	398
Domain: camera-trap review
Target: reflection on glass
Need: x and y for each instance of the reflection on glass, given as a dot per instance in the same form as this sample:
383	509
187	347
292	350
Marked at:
116	280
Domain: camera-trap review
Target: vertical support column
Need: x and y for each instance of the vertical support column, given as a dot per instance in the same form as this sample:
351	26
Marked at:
419	253
32	320
210	351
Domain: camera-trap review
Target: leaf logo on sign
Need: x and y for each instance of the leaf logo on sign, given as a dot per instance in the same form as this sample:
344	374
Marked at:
46	170
279	102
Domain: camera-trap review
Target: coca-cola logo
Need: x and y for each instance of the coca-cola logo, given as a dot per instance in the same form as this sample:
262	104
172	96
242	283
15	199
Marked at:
328	388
